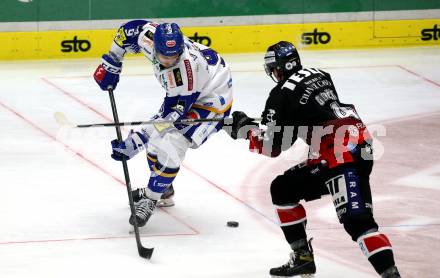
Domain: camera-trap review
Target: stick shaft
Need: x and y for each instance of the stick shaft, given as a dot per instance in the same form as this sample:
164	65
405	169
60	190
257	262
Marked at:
141	249
183	121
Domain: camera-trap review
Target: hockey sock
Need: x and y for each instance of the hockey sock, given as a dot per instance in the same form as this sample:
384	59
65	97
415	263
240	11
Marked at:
292	221
378	250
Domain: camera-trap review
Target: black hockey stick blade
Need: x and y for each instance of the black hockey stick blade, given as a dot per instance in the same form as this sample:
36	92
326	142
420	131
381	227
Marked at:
145	252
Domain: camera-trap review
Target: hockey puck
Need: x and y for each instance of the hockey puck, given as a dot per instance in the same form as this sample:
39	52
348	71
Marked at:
232	224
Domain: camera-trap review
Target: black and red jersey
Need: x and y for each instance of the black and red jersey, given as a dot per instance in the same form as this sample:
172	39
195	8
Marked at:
306	105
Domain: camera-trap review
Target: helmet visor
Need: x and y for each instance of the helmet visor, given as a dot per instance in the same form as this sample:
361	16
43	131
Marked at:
168	61
269	62
267	69
270	71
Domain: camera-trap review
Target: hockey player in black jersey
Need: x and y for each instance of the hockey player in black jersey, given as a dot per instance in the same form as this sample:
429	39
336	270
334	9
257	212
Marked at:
304	104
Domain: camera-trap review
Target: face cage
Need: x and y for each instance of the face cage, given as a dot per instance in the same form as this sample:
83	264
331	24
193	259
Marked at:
269	72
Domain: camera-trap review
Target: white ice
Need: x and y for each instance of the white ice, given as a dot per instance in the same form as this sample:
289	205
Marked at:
63	204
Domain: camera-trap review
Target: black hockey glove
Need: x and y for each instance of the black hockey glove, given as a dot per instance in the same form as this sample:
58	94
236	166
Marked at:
241	124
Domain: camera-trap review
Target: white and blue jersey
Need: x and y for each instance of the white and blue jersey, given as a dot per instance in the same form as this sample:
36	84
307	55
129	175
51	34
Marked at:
200	80
198	86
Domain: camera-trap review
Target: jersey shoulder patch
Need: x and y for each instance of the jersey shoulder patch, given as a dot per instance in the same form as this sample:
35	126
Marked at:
145	39
172	79
120	37
127	34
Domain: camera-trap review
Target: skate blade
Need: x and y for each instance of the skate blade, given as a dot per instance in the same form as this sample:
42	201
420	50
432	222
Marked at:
164	203
301	275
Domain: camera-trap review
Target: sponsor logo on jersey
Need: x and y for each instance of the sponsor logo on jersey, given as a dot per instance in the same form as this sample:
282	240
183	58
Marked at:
201	39
146	40
315	37
338	189
346	192
172	83
120	37
75	45
149	35
170	43
355	199
177	77
189	74
431	34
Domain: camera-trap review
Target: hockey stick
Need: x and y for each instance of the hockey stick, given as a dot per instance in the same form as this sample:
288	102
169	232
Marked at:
63	121
143	252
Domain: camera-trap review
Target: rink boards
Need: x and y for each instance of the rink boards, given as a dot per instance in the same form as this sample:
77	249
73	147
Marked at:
232	39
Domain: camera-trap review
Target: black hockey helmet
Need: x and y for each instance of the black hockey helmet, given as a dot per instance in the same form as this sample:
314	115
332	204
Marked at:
282	56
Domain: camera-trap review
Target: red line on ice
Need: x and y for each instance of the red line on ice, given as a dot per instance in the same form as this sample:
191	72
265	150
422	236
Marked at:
94	164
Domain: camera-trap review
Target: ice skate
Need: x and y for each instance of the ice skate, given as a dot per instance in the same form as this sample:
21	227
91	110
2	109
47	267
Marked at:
165	201
301	264
144	209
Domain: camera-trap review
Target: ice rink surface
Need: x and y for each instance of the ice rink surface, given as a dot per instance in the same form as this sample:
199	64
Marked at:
63	203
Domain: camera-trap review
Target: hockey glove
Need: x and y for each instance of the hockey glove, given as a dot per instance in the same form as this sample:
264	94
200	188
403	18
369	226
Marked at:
107	73
131	146
241	125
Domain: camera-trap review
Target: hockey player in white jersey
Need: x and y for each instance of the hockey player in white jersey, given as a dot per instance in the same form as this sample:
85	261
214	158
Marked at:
198	84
